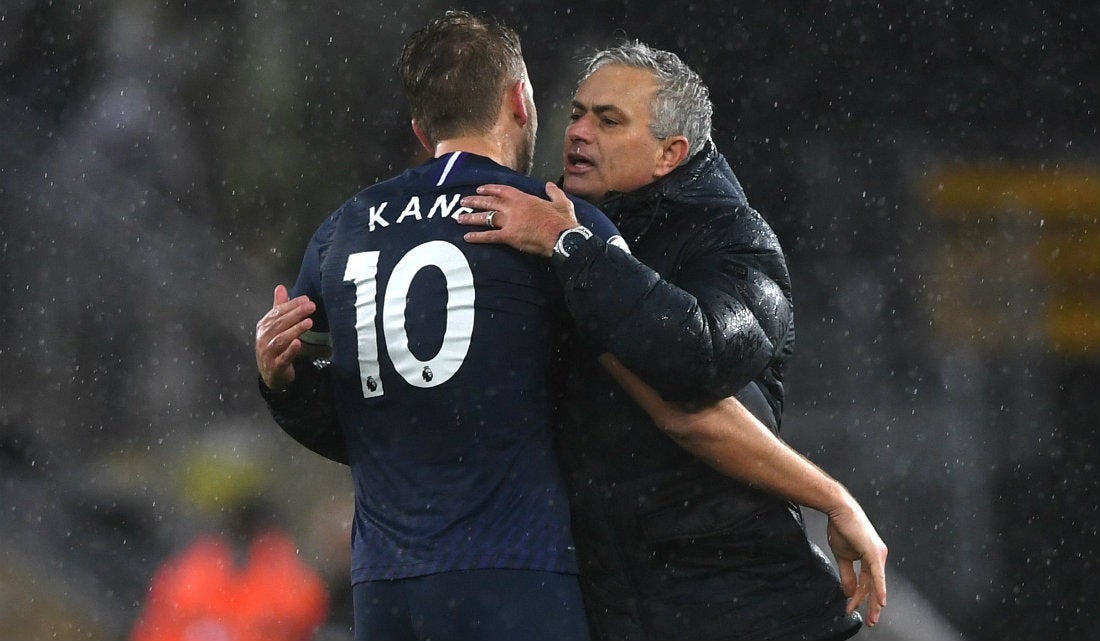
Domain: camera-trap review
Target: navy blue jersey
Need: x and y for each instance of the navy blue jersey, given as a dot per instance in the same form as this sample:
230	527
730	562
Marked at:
441	355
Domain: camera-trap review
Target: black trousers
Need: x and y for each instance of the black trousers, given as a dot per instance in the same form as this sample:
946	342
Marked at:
472	605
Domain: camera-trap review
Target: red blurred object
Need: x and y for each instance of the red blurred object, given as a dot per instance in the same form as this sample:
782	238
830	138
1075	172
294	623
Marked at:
202	595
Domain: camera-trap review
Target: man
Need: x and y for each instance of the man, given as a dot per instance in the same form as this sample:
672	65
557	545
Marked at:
671	549
441	359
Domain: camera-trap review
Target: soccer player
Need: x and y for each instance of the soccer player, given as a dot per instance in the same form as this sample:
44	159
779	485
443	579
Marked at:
442	355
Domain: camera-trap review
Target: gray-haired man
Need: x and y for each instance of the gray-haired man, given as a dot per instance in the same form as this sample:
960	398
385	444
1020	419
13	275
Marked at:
682	542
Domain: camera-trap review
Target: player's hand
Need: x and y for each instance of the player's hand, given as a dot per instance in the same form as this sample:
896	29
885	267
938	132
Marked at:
278	335
853	538
518	219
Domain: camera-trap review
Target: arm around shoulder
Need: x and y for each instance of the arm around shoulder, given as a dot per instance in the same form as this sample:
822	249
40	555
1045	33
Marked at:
730	439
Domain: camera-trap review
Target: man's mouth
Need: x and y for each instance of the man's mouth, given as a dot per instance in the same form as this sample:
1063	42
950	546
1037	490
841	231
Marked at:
576	162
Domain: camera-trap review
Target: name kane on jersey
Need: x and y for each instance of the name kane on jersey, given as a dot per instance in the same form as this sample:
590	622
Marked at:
444	207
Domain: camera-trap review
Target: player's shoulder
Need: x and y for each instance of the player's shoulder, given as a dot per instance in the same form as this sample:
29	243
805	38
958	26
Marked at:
583	207
412	179
322	236
593	218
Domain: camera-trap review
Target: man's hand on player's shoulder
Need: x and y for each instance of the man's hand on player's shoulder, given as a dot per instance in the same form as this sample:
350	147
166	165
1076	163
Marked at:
520	220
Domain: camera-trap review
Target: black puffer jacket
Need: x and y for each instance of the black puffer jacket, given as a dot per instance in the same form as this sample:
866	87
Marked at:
670	549
717	313
701	309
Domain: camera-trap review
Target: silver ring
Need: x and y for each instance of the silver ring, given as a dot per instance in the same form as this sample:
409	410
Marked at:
489	218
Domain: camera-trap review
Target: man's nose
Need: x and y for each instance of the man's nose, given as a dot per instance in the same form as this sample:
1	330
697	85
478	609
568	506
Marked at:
578	131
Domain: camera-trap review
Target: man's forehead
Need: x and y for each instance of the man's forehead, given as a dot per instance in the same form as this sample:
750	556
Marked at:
615	87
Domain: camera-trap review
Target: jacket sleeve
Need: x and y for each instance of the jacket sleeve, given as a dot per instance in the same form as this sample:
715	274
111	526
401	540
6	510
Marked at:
306	411
704	333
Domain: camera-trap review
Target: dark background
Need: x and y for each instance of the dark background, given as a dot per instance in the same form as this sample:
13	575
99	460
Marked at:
932	169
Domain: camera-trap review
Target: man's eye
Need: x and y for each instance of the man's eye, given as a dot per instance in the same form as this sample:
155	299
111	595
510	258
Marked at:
574	117
609	122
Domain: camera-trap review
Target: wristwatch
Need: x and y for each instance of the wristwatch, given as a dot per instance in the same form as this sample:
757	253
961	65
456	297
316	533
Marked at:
570	241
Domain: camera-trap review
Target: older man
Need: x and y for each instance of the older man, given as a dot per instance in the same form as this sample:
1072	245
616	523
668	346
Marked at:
672	547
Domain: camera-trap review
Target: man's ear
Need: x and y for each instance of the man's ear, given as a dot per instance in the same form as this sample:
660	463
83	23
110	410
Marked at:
672	151
517	96
422	137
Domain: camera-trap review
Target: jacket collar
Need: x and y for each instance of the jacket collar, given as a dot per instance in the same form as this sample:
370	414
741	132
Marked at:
705	174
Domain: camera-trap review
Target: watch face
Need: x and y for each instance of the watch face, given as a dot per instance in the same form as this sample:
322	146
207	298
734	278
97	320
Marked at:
572	241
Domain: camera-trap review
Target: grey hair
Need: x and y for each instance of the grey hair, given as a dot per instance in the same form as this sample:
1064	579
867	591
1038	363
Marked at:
682	105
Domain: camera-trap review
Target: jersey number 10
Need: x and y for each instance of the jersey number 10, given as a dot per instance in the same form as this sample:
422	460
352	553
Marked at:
362	270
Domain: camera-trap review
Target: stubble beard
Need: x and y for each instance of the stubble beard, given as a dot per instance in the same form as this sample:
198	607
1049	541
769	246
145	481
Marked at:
526	152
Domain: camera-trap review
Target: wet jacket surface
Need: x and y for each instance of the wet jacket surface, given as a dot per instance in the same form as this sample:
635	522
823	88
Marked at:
671	549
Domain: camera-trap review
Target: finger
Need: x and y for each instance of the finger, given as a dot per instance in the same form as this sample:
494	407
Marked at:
283	353
502	191
281	295
297	308
874	605
483	237
283	348
292	317
281	339
848	581
277	367
878	580
860	595
283	315
873	612
560	201
481	202
480	218
299	328
555	193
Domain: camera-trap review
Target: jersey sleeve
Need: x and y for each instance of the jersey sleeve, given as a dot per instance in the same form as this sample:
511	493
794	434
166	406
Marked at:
309	281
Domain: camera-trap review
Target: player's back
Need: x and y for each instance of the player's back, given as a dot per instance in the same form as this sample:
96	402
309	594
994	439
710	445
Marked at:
441	355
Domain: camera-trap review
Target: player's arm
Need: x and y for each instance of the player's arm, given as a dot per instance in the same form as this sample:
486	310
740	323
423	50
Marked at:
279	338
306	411
729	438
296	390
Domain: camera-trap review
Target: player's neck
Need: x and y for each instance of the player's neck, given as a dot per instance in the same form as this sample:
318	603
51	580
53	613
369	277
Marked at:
479	145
